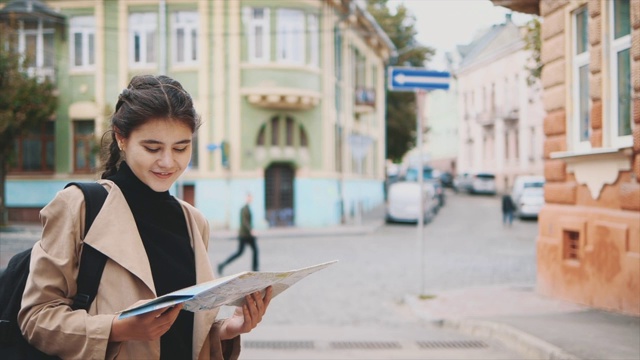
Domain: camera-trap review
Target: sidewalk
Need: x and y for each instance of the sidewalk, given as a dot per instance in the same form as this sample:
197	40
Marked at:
366	224
536	326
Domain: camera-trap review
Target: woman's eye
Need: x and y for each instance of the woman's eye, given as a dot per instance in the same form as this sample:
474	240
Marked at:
181	149
152	150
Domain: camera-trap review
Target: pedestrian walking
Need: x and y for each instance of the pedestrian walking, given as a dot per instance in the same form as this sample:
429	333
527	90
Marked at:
154	243
508	208
246	237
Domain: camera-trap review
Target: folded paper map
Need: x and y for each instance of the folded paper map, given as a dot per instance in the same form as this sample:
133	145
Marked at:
229	290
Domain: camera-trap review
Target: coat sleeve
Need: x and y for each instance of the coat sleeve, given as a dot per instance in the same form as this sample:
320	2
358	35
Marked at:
223	349
46	319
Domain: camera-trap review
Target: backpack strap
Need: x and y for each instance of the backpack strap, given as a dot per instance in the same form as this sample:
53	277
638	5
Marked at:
92	261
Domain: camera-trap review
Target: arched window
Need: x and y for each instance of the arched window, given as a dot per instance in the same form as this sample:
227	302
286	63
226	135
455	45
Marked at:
294	133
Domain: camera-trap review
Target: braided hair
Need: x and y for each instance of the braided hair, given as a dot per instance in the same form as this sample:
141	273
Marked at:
147	97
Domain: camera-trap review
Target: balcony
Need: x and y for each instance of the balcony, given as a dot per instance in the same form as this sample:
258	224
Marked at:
523	6
282	98
509	113
486	118
365	100
42	73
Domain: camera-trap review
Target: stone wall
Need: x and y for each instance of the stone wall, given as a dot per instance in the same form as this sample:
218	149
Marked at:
588	248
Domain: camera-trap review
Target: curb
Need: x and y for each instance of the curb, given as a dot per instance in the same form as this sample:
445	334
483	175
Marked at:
511	337
303	232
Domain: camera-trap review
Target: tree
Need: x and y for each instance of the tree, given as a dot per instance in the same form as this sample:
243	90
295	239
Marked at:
401	106
25	103
533	43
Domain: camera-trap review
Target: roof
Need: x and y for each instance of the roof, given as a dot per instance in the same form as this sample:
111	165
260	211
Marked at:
30	8
494	39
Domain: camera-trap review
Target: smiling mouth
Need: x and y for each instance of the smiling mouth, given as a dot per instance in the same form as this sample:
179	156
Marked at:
162	174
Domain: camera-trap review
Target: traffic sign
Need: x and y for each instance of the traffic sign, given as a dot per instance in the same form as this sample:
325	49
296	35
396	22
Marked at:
411	79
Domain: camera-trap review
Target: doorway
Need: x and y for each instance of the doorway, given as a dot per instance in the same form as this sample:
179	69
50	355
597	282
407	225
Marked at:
279	195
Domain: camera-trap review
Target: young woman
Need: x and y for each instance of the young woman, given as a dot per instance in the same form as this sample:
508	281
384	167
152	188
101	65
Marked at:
155	244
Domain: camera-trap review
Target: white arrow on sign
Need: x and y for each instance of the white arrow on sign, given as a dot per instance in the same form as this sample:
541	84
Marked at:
402	79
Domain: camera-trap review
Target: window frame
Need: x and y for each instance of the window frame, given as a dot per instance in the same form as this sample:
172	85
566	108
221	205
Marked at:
145	23
577	62
252	24
189	22
44	35
90	140
291	52
313	29
85	27
615	47
44	138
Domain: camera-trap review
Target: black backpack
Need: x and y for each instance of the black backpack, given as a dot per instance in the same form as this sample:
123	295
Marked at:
14	278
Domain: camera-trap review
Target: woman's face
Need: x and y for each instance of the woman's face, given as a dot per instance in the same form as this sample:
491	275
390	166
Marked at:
158	152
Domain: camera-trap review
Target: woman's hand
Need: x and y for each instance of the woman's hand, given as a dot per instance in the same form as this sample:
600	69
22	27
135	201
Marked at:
144	327
247	316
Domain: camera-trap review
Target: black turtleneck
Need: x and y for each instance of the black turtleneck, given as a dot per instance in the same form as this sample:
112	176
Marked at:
163	229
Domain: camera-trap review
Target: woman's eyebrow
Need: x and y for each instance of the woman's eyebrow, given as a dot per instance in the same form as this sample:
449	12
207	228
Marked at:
157	142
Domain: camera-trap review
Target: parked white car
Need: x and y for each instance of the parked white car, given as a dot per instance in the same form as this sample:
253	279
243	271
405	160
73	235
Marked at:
523	182
403	202
530	203
483	183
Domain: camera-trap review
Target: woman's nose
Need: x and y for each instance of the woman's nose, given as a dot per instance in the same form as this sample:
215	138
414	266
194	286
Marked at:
166	158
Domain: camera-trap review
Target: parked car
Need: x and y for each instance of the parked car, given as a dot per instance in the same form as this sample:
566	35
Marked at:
403	202
447	179
462	182
431	176
483	183
530	203
525	181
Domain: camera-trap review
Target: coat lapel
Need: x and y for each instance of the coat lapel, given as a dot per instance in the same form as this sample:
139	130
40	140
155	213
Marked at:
125	248
203	320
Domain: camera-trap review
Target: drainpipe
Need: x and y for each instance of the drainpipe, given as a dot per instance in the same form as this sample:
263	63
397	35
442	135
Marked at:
162	9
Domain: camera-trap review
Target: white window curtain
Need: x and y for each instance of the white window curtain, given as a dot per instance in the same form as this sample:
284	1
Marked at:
143	28
185	37
258	34
620	69
291	36
581	112
314	39
82	31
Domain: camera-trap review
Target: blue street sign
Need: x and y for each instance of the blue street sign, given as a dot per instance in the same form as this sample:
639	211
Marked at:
411	79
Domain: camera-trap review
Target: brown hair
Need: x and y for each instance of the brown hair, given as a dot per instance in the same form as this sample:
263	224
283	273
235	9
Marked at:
147	97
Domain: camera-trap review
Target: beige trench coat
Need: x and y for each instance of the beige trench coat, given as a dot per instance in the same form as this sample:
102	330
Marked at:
46	319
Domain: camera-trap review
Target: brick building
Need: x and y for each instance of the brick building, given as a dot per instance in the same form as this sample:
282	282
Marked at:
589	231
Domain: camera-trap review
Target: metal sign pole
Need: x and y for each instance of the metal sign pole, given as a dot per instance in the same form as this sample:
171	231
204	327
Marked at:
418	80
420	102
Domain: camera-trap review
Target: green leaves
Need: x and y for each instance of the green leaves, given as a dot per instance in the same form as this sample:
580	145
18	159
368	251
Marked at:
401	108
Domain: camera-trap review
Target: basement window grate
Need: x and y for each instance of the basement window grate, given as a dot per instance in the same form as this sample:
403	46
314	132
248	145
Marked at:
571	245
278	345
367	345
452	344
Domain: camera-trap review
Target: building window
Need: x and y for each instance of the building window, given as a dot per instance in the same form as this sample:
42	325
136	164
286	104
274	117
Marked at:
289	131
36	43
84	144
314	39
275	131
35	151
304	141
580	71
185	37
143	29
258	36
620	64
291	34
261	135
82	30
